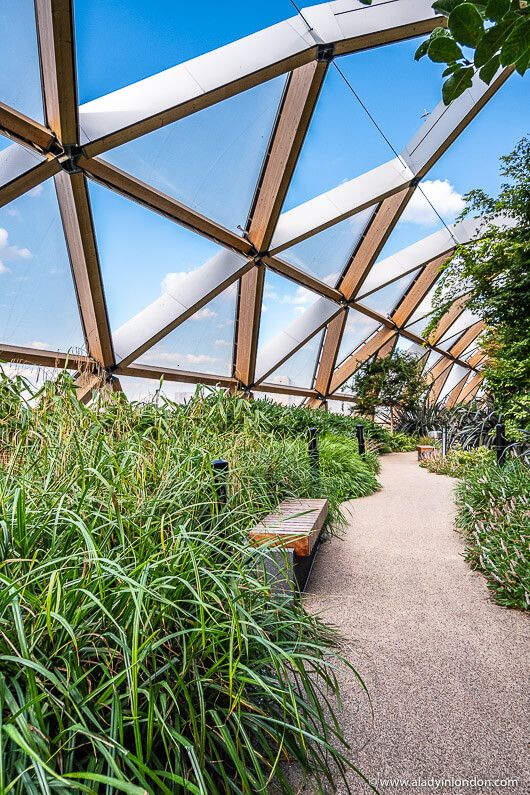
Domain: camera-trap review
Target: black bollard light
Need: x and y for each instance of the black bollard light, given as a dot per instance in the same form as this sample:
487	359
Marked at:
500	442
360	439
220	476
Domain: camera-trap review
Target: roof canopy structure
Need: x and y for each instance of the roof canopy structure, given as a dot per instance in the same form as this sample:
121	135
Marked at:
371	305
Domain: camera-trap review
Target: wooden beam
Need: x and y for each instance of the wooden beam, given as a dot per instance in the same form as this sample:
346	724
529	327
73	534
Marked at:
448	319
182	376
292	123
467	338
387	348
27	181
361	355
55	28
417	292
439	380
329	352
74	203
144	194
303	278
476	358
25	130
296	111
454	394
44	358
377	233
471	388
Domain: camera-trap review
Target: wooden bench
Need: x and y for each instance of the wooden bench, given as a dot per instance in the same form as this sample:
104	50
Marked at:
294	526
425	451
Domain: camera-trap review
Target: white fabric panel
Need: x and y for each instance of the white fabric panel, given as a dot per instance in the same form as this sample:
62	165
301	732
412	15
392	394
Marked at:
222	269
340	202
301	329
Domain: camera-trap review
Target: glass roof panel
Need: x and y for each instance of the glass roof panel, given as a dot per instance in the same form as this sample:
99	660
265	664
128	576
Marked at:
142	254
15	160
404	345
419	326
385	300
432	359
283	301
358	328
326	255
341	144
38	304
204	343
463	321
299	369
20	83
211	160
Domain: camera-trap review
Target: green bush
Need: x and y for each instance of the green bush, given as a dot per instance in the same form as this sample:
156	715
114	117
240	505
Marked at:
494	515
458	463
141	649
352	476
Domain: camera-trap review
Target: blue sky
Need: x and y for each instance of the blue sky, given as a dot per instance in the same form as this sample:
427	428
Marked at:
211	161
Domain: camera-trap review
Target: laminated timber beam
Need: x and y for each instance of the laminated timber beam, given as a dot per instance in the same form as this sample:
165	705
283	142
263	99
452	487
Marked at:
127	185
454	394
439	377
22	183
328	356
43	358
460	345
298	104
471	388
448	319
25	130
55	27
418	291
74	204
341	27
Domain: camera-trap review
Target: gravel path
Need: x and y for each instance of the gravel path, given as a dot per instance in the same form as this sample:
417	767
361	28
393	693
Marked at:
447	669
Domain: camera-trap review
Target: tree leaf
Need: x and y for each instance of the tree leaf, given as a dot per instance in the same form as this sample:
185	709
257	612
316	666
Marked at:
523	63
422	50
491	41
465	23
489	69
454	67
446	6
496	9
444	50
457	84
517	42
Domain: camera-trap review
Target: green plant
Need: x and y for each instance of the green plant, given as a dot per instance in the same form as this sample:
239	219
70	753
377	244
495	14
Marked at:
394	382
458	462
353	476
141	649
494	516
494	268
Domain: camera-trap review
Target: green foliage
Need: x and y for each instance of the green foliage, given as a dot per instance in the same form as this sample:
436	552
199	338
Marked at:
458	462
395	381
496	32
141	650
495	269
353	476
494	516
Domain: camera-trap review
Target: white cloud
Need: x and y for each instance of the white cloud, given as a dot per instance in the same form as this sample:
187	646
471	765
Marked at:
204	314
13	212
173	281
270	292
332	279
41	346
36	191
8	252
178	358
301	297
447	201
222	344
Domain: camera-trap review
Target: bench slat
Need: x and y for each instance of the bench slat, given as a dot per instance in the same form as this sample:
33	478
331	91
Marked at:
299	533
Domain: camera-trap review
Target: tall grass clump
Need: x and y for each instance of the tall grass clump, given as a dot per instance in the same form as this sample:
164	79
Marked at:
494	515
141	649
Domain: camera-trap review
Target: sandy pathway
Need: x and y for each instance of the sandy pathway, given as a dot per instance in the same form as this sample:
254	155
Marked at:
446	668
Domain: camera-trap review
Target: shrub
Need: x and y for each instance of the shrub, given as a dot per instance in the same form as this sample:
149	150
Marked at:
458	462
353	476
141	649
494	516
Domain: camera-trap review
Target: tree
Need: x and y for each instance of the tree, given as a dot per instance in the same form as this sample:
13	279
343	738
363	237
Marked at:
395	381
479	37
495	270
